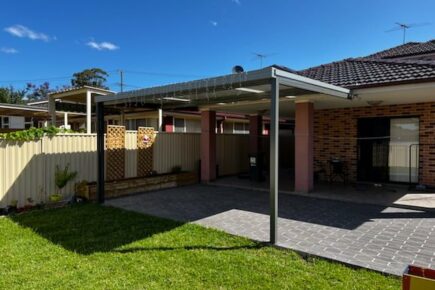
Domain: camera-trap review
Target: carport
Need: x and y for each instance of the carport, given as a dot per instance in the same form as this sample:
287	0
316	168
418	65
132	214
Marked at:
273	86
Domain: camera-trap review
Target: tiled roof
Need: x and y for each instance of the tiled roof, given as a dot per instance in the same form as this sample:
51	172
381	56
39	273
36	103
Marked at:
377	69
407	49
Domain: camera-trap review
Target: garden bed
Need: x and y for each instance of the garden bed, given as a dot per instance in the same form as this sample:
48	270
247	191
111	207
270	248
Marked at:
134	185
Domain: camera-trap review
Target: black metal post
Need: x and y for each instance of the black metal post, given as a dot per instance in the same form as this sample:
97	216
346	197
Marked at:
274	159
100	152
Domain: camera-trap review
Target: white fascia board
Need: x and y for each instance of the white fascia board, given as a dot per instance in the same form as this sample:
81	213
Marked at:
301	82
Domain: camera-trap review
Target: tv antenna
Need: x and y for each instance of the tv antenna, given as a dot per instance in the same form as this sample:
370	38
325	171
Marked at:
404	27
262	56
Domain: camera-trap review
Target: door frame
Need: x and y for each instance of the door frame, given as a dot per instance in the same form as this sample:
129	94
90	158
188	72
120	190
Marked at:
389	119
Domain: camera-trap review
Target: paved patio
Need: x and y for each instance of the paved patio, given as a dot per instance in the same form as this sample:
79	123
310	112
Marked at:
381	238
387	195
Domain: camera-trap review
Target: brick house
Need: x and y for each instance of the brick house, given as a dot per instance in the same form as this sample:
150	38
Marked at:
372	115
386	134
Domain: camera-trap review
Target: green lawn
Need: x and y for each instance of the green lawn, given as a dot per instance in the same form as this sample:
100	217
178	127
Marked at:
95	247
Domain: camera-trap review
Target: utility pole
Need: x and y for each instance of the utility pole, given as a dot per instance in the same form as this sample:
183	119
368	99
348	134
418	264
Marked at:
121	79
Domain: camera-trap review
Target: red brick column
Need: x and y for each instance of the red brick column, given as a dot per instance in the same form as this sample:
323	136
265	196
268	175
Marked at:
304	146
255	133
208	146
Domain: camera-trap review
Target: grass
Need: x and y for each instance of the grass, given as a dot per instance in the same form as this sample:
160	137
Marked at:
96	247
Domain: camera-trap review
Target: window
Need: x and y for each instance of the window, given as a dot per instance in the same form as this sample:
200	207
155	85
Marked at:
241	128
228	127
130	124
28	122
141	123
134	124
193	126
4	122
179	125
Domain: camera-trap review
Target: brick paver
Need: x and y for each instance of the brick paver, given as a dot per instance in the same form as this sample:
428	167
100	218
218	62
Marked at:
385	239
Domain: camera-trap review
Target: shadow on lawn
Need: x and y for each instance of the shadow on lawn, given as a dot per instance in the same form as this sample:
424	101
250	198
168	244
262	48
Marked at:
189	248
86	229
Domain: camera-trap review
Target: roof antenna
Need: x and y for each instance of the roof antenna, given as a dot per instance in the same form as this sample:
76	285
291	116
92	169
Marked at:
262	56
404	27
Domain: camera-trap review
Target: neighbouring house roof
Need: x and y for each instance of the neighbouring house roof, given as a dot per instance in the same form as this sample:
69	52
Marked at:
378	69
407	49
21	109
361	72
44	101
74	89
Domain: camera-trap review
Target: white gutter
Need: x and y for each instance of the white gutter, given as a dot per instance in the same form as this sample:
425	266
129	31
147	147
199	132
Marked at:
301	82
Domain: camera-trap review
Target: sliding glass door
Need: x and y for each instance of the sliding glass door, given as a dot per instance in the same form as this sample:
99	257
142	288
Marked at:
403	155
388	149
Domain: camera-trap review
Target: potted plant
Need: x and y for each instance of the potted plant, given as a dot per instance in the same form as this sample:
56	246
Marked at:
81	190
61	179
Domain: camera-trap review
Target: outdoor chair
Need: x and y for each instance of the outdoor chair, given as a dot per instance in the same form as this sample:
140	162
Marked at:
320	172
337	170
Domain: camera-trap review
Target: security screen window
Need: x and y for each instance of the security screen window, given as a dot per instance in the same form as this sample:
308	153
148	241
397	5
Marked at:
179	125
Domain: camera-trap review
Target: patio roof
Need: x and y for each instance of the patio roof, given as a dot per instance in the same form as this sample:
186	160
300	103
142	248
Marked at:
246	86
270	83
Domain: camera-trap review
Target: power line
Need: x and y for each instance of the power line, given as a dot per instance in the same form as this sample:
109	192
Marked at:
35	80
125	85
164	74
44	79
112	71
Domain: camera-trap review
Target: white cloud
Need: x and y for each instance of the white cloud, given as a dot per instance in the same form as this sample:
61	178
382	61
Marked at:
102	45
214	23
25	32
9	50
237	2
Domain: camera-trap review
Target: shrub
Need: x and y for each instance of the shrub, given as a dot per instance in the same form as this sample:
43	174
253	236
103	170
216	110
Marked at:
33	133
62	177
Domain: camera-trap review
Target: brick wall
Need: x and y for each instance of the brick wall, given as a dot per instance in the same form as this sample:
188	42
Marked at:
335	133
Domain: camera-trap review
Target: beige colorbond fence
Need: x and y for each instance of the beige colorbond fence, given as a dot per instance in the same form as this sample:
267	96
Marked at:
27	168
232	153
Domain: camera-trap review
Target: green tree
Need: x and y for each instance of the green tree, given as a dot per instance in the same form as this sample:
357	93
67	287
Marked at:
36	93
94	77
11	95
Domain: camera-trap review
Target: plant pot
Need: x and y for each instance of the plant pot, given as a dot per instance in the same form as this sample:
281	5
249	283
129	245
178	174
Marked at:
55	197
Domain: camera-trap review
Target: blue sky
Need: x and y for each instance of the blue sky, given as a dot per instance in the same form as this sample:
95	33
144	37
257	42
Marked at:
182	40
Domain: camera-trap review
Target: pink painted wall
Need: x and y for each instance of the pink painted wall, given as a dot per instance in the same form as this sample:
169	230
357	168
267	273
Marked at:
304	157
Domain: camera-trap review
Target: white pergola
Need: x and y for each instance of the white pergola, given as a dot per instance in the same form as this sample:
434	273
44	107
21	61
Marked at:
271	83
81	95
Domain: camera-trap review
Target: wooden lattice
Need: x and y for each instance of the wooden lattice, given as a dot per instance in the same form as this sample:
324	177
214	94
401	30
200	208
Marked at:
115	150
145	141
